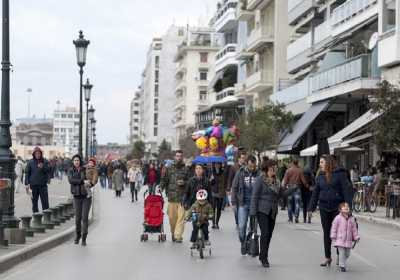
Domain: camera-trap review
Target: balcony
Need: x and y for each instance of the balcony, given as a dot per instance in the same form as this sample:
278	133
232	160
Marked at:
225	18
352	76
389	49
293	93
352	13
298	53
258	38
180	104
181	85
242	14
259	81
299	8
230	91
226	57
253	4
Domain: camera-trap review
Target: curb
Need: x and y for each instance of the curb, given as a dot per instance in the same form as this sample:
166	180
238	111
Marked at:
378	221
14	258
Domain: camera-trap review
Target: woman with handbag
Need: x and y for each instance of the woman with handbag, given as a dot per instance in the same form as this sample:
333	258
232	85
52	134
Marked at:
264	206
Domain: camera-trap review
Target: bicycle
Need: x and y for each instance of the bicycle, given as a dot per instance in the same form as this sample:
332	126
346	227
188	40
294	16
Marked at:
200	244
362	200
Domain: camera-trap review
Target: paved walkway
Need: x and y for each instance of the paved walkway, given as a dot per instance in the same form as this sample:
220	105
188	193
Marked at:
115	252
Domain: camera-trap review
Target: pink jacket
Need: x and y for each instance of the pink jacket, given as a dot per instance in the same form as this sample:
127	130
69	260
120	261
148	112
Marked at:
344	231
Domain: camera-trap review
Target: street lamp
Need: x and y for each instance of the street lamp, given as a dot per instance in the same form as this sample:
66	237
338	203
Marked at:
7	159
81	45
89	113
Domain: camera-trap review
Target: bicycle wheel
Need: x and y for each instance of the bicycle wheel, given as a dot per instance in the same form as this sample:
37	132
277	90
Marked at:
372	205
357	202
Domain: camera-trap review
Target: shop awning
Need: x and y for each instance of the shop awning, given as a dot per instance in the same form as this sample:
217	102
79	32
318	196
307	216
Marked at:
338	140
301	126
218	76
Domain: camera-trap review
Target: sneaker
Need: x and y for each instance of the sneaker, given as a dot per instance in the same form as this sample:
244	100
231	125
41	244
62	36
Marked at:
297	220
342	269
309	220
178	241
217	226
290	220
214	227
193	246
265	263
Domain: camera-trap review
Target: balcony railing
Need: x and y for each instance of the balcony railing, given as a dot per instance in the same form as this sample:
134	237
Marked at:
259	80
322	32
225	14
224	93
225	57
227	50
349	9
300	45
355	68
293	93
259	36
299	8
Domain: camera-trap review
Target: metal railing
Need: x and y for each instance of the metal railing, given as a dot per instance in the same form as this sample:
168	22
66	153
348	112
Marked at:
229	48
300	45
349	9
230	91
355	68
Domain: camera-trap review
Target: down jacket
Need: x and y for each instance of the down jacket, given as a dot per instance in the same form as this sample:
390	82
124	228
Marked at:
344	231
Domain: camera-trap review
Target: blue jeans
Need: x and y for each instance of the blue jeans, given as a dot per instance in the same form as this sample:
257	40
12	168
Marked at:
103	181
243	217
294	201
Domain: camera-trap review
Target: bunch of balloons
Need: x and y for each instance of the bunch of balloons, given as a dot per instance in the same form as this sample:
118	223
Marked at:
214	140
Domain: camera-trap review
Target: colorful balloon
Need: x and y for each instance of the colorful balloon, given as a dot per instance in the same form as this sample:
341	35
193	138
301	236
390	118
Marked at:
213	141
201	143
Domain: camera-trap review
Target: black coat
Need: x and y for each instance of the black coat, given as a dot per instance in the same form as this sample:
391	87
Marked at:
330	195
76	178
36	176
194	184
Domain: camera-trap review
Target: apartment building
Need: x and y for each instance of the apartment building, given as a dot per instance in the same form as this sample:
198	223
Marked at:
195	64
263	36
333	60
66	129
134	123
158	90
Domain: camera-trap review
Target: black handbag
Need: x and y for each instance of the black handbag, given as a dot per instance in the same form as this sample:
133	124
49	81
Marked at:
254	242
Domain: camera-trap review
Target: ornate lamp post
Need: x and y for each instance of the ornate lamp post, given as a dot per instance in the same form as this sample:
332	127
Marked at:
89	113
81	45
7	159
93	125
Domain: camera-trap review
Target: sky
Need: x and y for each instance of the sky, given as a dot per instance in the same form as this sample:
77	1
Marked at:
120	31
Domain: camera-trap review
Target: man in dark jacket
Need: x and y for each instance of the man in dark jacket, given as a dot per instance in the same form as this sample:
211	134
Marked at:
37	175
242	188
198	182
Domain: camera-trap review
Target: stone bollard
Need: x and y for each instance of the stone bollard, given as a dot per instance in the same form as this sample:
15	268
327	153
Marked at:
65	211
26	224
3	241
48	224
15	235
61	213
37	225
54	216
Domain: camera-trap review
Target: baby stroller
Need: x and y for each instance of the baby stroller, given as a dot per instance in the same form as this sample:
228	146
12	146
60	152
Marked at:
153	216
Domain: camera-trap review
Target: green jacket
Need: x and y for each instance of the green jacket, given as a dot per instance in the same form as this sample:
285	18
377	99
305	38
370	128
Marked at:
174	182
205	212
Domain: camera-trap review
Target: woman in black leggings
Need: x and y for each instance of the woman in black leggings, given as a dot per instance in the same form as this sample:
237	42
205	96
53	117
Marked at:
332	187
218	189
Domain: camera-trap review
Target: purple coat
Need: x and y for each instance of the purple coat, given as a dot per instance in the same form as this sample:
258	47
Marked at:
344	231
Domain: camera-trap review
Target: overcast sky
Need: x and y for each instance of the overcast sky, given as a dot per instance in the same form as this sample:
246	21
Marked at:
120	32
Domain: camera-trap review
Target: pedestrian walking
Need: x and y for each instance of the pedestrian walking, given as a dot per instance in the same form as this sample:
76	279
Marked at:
152	178
37	176
343	233
198	182
306	192
19	173
242	188
264	205
232	170
218	191
135	181
81	191
294	178
103	174
110	171
332	188
174	184
118	180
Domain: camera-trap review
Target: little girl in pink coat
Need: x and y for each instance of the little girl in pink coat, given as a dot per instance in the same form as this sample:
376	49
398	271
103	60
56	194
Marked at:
343	233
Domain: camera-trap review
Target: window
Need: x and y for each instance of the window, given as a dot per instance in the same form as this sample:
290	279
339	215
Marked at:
203	75
137	104
157	75
203	57
56	130
56	115
181	32
70	130
157	62
136	120
136	128
156	119
76	116
155	131
156	90
136	112
63	116
202	95
70	116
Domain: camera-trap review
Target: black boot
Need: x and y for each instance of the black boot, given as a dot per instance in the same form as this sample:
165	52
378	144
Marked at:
84	239
77	238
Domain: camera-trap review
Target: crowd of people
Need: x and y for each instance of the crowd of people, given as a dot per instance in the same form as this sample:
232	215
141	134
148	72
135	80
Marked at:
255	189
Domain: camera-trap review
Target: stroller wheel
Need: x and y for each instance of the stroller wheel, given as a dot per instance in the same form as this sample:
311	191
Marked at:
141	238
159	238
145	237
163	237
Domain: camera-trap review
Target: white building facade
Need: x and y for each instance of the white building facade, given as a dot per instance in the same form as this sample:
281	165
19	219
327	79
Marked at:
134	122
66	129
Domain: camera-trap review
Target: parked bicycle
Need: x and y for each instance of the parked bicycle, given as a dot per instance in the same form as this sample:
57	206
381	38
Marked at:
363	200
